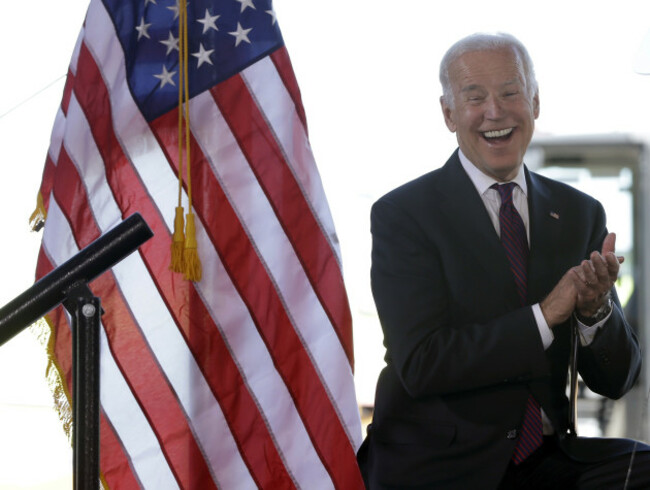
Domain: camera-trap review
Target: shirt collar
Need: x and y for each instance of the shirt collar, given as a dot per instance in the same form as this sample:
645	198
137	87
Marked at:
483	182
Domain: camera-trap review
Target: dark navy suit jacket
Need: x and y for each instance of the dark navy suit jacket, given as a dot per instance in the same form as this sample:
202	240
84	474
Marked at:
462	353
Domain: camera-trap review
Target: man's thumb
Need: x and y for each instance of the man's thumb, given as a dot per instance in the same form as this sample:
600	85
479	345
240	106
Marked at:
609	244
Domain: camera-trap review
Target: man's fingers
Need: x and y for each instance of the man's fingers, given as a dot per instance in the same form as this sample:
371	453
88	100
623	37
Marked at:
609	244
613	262
584	277
594	269
595	276
604	266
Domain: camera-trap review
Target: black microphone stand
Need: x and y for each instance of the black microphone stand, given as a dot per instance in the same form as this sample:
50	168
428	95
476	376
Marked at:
68	285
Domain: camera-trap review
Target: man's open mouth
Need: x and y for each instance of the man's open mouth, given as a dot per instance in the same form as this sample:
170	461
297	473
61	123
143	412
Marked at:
498	135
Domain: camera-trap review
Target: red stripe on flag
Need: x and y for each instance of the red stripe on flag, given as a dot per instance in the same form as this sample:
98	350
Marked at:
115	465
240	409
47	182
67	92
114	461
200	332
151	388
282	62
61	344
70	193
133	355
49	171
266	160
257	290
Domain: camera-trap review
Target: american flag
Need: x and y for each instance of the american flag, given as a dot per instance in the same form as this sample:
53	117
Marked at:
243	379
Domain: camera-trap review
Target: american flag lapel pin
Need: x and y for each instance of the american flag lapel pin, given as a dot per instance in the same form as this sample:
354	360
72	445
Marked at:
554	215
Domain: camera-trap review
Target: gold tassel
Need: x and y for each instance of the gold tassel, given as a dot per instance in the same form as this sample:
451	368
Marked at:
37	219
193	270
178	242
185	256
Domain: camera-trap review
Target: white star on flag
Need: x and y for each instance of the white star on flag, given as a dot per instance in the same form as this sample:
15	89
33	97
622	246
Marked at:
241	34
203	55
171	42
246	3
165	77
176	9
208	21
142	29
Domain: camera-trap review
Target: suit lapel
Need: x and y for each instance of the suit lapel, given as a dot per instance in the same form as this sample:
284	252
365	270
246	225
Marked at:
546	220
471	224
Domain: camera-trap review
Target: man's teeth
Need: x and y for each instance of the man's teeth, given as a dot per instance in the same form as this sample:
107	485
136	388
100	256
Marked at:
497	134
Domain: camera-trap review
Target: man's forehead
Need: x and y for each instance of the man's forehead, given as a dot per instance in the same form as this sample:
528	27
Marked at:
476	86
471	69
481	53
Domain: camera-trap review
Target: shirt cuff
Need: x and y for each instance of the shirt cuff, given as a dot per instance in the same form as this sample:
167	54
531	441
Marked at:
544	330
588	332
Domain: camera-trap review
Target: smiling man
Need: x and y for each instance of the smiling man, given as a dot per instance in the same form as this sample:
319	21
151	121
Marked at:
492	109
479	269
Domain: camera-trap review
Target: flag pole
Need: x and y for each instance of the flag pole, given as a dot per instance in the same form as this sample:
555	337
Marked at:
85	310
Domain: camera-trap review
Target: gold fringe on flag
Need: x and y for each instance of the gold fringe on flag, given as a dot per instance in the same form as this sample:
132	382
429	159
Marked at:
37	219
44	331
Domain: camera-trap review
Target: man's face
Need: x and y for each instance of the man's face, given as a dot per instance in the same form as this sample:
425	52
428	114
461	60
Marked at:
493	116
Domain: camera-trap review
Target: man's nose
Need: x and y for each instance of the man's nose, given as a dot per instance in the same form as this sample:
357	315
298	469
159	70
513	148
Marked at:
493	108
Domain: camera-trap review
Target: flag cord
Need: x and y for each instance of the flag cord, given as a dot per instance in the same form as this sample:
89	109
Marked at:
185	256
178	239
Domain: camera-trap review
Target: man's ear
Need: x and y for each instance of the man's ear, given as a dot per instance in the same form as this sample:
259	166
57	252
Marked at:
536	104
448	115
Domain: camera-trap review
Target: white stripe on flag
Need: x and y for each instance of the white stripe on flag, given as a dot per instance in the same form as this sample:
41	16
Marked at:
277	253
279	109
56	138
116	398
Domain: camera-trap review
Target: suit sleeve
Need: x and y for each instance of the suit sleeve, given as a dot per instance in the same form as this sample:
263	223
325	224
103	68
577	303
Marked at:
611	363
433	349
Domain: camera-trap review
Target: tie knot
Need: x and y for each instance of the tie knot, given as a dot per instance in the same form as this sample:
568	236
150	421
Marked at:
505	190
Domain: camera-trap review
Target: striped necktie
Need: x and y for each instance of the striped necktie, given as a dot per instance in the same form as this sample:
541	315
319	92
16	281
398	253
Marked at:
515	244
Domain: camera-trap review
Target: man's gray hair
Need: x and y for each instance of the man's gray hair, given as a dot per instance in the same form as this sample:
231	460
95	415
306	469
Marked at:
485	42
